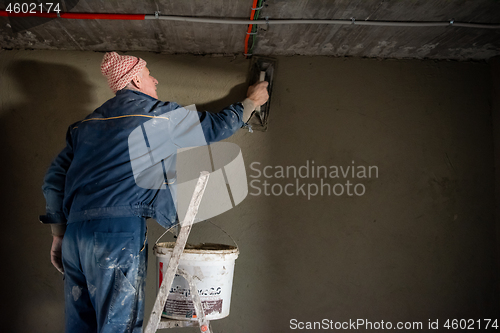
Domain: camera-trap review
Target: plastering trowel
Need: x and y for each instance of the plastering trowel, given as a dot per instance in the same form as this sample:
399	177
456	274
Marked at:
262	69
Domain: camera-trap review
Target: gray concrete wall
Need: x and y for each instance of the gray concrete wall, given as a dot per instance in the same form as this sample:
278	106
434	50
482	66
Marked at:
419	244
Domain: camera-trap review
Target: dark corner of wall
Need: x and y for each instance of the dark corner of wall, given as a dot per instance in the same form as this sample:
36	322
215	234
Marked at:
495	110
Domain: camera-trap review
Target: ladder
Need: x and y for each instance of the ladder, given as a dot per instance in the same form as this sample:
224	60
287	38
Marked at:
155	321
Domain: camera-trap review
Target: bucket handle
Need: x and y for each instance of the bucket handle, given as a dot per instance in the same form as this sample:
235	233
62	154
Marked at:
175	225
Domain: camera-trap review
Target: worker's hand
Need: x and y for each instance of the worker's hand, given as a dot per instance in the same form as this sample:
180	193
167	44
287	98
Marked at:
56	254
258	93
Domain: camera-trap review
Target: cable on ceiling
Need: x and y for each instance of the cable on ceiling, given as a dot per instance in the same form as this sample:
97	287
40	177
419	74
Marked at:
260	5
250	27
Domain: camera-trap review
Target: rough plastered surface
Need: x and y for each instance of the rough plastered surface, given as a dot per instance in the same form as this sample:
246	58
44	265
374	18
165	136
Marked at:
419	244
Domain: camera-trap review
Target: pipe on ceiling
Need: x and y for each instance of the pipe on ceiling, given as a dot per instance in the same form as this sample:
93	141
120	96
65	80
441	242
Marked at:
352	21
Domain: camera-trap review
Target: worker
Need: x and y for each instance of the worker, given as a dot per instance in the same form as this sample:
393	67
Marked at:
96	205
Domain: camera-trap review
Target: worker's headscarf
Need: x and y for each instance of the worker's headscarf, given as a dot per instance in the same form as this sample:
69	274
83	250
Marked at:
120	70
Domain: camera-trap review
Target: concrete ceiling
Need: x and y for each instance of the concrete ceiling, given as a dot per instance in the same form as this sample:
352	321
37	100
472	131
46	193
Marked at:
448	42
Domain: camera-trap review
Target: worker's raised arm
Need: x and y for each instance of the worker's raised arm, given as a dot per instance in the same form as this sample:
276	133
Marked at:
217	126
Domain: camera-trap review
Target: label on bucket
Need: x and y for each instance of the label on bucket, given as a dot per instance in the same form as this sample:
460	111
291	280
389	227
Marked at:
179	306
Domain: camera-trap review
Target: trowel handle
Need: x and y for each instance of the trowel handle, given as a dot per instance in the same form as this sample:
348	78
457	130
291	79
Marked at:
262	77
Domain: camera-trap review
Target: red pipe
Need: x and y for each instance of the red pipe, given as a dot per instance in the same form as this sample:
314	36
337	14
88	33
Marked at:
81	16
250	26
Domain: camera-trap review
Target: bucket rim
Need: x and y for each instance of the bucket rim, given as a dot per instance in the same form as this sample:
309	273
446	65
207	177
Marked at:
201	248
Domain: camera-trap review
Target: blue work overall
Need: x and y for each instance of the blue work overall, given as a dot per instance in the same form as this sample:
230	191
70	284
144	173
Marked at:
105	264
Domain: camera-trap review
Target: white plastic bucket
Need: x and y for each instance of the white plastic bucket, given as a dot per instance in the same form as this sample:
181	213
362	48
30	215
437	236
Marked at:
212	268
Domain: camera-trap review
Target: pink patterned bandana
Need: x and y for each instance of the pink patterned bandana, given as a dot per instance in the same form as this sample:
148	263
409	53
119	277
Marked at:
120	70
